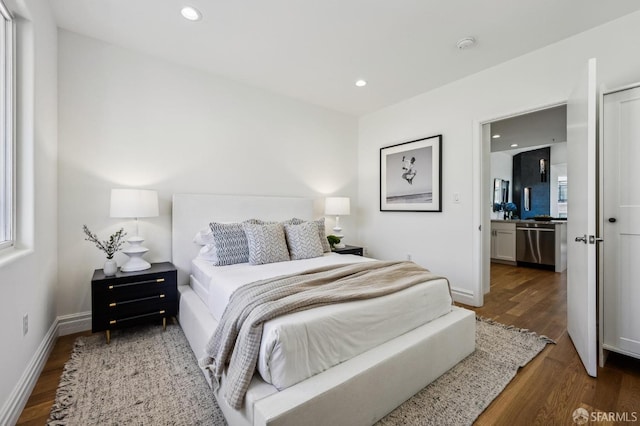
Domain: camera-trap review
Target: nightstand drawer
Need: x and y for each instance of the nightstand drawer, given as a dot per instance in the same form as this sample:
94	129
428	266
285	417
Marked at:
135	290
140	306
135	284
139	318
129	306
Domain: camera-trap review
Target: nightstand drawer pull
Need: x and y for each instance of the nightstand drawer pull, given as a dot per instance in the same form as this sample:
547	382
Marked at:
156	281
141	299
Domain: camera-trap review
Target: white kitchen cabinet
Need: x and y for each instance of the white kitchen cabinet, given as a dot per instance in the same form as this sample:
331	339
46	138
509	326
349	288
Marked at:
503	241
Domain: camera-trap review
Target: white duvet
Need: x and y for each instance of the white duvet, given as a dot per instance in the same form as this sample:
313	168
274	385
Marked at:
297	346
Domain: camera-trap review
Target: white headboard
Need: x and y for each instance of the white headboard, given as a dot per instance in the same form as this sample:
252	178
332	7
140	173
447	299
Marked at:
193	212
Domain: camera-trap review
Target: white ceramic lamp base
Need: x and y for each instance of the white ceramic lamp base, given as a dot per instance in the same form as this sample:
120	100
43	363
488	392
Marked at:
337	231
135	251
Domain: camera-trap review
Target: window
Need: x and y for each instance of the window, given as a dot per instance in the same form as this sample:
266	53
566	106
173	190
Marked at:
7	160
562	189
562	196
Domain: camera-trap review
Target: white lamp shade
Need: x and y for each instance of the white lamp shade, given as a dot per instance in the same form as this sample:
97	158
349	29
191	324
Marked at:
134	203
339	206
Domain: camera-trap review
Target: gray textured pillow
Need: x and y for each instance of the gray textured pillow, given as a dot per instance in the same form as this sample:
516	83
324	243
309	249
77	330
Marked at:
267	243
303	240
230	242
321	232
323	236
294	221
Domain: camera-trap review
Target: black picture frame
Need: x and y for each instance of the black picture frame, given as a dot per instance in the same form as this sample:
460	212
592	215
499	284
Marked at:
411	176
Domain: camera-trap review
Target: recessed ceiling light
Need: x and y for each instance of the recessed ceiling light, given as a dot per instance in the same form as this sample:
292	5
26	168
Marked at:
513	145
496	136
465	43
361	83
191	13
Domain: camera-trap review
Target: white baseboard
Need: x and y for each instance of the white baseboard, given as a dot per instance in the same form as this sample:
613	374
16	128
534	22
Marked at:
74	323
463	296
10	412
62	326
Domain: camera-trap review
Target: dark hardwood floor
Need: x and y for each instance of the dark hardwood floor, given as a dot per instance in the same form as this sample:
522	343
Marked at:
36	412
545	392
554	384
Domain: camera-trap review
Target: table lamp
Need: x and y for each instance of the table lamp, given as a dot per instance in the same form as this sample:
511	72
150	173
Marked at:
338	206
134	203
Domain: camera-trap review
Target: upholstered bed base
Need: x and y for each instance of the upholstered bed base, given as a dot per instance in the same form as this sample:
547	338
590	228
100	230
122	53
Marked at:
357	392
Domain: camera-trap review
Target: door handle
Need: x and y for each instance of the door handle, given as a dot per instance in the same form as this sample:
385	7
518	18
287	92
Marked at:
612	219
583	239
593	239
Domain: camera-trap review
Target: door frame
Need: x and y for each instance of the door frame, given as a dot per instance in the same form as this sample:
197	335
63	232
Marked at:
481	160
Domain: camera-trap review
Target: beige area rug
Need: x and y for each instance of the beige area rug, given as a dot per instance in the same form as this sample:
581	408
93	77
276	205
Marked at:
150	377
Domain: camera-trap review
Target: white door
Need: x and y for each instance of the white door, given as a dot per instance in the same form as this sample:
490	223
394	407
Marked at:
581	223
621	213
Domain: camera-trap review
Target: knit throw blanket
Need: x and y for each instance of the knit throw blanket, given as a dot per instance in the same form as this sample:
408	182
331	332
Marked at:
236	343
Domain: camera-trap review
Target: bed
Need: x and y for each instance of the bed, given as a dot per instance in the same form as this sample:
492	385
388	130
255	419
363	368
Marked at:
362	386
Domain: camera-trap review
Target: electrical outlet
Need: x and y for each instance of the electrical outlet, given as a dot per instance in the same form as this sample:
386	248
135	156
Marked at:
25	324
364	251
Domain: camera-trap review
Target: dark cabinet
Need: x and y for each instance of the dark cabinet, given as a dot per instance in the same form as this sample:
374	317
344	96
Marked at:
131	298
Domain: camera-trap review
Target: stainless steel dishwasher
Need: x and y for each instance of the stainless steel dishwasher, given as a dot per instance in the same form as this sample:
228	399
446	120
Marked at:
536	243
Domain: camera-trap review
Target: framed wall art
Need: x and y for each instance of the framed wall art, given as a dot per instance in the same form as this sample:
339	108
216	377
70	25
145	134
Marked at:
411	176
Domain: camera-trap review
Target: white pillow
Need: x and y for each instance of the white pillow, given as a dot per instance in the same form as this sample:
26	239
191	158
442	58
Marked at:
204	237
208	253
303	240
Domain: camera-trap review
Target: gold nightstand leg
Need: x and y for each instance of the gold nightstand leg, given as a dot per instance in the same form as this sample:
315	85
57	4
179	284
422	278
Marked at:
108	332
164	324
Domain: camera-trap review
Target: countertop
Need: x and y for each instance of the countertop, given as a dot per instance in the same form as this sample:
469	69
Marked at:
558	222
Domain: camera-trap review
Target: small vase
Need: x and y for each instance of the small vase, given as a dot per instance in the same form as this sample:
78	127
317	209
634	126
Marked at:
110	267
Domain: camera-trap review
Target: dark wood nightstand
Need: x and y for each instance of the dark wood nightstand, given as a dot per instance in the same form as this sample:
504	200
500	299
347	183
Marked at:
130	298
350	250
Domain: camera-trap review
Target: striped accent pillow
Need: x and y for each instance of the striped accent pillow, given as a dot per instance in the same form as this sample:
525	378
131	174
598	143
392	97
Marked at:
230	242
267	243
303	240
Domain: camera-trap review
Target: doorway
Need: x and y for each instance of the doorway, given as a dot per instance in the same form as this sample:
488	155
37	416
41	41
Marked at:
524	177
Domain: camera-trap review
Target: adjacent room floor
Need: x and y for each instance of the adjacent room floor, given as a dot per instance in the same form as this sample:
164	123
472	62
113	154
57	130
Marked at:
554	384
546	391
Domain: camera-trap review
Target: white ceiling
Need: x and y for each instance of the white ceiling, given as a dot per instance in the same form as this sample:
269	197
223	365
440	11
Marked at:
536	129
314	50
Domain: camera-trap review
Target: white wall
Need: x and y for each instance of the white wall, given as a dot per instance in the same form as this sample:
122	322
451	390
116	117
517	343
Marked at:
559	152
130	120
28	274
445	242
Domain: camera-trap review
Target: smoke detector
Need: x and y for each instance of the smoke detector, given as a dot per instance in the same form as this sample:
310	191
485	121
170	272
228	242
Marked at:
465	43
